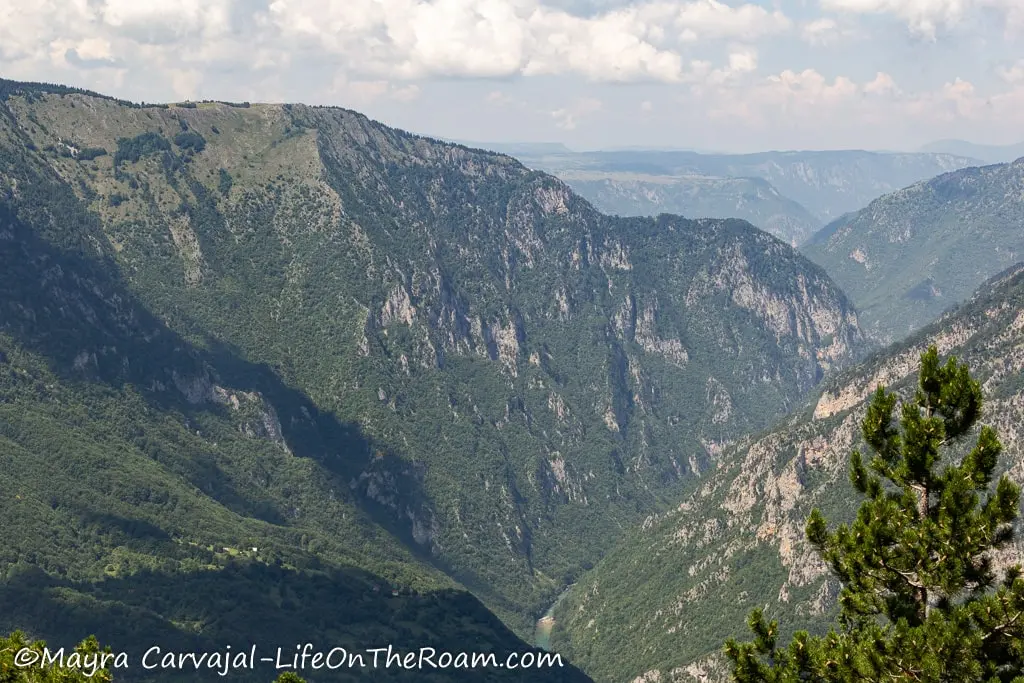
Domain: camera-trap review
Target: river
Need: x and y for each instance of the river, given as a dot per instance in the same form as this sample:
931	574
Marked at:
542	633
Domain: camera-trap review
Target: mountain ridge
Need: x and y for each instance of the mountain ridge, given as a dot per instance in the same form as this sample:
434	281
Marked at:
992	154
156	488
911	254
518	374
827	183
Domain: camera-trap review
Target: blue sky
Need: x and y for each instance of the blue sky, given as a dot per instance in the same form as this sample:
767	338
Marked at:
731	75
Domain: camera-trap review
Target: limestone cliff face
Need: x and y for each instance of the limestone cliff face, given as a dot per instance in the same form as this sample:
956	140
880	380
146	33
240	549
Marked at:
686	579
533	376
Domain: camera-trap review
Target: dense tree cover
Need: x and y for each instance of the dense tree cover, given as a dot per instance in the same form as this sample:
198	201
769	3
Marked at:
132	149
224	182
473	435
357	348
90	153
140	510
190	140
921	600
37	90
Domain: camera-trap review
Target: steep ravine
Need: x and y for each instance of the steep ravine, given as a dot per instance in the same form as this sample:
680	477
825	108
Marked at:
546	624
659	606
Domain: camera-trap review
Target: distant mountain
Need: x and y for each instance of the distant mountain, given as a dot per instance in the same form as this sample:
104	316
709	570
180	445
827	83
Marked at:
828	184
751	199
360	351
913	253
659	607
516	149
993	154
648	148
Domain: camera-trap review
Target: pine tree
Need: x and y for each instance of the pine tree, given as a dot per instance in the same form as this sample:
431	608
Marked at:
920	600
289	677
23	661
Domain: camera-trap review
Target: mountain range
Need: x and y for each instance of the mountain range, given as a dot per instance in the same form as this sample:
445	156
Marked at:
752	199
827	184
992	154
277	369
908	256
383	386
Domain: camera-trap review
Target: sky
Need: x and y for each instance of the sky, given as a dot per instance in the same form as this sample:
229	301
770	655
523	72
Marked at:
723	75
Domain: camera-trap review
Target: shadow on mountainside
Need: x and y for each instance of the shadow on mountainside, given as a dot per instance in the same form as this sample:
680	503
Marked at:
271	607
64	298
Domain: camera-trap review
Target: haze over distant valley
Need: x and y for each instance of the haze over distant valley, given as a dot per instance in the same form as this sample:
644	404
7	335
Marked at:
789	194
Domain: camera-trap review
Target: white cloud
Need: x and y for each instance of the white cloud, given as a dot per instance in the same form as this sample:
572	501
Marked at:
380	40
826	31
566	118
612	47
185	82
872	113
89	52
1013	73
501	38
364	92
962	94
27	28
883	84
740	62
743	62
818	30
97	49
405	93
457	37
924	17
476	38
787	97
381	54
810	87
710	18
167	18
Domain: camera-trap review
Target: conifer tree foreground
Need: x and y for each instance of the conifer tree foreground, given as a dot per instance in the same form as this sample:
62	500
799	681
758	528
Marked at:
83	664
920	599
